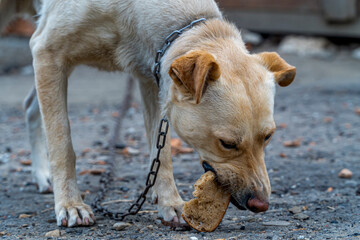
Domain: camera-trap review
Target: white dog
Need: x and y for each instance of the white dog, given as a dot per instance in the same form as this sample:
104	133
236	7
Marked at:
217	96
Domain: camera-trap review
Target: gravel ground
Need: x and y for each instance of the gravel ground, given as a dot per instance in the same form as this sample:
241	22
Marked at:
309	200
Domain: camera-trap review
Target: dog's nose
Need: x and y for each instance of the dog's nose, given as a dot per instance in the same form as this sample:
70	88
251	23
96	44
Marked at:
257	205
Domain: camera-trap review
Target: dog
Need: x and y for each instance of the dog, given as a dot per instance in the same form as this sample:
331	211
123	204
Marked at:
218	97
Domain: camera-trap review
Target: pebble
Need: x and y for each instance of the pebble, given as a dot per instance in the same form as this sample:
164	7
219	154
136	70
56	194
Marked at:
193	238
301	216
133	151
356	53
119	226
345	173
276	223
295	210
54	233
2	233
358	191
25	215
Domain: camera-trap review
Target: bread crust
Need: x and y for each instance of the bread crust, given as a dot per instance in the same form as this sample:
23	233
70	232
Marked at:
205	212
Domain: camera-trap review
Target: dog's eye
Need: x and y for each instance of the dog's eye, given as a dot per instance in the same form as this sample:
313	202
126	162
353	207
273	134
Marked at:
267	137
228	145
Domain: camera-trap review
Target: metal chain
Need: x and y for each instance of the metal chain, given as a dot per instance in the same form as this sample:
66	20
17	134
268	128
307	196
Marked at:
172	37
107	178
150	180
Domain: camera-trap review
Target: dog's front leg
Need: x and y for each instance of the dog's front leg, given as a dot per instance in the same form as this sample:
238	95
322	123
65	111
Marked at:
51	75
165	193
40	166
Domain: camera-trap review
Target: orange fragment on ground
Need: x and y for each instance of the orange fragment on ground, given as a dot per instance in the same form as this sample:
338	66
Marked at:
176	147
25	162
293	143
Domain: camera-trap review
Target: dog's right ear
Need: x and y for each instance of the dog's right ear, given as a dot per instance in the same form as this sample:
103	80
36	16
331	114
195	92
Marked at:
192	71
284	73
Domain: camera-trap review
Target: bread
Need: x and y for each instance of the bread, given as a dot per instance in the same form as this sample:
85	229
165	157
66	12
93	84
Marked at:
205	212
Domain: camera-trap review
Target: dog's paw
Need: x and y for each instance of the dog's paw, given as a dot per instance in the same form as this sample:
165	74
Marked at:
169	205
72	215
42	181
171	214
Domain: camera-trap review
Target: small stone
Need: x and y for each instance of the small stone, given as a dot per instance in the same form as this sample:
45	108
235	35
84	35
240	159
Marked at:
242	227
25	215
351	183
129	151
25	225
295	210
54	233
2	233
356	53
301	216
124	189
150	227
345	173
276	223
193	238
119	226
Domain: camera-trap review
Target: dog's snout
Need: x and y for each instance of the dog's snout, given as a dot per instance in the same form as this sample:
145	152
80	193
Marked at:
257	205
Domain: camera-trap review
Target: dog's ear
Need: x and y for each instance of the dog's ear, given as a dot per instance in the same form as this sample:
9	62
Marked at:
284	73
192	71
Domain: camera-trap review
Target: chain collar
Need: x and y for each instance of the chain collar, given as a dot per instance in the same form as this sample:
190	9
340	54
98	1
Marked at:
171	38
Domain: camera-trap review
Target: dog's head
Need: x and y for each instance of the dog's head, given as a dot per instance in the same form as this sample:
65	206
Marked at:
222	105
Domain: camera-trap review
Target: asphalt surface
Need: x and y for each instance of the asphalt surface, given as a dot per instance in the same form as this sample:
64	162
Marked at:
318	111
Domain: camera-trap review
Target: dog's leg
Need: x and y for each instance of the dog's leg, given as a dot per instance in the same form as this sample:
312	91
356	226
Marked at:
51	73
40	165
165	193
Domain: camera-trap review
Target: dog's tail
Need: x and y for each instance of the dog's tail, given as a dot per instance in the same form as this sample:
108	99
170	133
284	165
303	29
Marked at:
11	8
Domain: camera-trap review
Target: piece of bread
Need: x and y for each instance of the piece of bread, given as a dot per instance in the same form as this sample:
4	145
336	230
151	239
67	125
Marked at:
205	212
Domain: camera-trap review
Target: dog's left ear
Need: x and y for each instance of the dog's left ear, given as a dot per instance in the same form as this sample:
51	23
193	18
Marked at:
284	73
192	71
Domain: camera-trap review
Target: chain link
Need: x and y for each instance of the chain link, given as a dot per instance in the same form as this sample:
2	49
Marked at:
172	37
107	177
150	180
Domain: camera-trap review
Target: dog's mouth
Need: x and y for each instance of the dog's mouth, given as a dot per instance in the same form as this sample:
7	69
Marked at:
208	167
236	203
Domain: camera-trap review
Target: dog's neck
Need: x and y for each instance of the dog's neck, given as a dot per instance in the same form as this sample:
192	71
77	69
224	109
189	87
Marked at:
201	37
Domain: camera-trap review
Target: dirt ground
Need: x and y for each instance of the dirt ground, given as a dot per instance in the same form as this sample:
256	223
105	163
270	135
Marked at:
318	111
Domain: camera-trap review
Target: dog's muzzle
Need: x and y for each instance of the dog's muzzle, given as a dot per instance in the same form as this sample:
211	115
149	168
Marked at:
208	167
